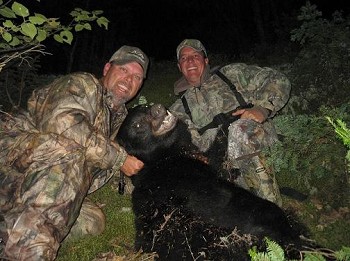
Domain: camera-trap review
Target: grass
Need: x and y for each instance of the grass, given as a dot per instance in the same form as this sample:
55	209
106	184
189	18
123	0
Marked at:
118	235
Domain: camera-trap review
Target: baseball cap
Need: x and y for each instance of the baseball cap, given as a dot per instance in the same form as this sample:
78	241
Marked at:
126	54
193	43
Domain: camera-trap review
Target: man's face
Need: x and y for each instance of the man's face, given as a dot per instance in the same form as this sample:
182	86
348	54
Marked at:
192	64
122	82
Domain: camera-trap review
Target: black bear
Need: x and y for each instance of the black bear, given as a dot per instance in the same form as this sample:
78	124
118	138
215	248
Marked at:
183	211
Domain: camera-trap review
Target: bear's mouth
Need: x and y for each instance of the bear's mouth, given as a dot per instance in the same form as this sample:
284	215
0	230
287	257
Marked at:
168	123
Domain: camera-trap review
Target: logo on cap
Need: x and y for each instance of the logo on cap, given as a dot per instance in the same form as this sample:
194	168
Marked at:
138	54
127	54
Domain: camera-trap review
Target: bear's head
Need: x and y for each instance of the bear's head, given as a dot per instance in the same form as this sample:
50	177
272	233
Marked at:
151	132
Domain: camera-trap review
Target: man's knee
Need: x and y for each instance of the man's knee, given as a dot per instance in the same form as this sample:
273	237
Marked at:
91	221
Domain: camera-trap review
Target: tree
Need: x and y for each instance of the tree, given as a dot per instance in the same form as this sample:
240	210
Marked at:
23	33
22	37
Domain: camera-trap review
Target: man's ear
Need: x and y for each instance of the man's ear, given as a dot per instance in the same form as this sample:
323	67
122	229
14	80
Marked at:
106	68
178	66
206	60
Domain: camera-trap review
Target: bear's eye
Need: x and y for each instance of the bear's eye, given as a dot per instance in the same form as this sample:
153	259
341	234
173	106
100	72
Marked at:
137	125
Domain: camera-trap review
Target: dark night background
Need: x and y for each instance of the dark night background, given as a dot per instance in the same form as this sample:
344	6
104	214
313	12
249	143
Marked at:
230	27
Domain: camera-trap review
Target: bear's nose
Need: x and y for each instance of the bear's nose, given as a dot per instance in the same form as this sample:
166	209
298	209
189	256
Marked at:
158	110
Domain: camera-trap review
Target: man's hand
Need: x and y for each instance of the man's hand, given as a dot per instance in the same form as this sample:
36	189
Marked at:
131	166
257	114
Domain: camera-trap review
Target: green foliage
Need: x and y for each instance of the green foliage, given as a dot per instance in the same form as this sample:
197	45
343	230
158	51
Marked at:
22	33
20	27
312	27
142	100
274	252
343	133
300	134
343	254
342	130
320	71
303	157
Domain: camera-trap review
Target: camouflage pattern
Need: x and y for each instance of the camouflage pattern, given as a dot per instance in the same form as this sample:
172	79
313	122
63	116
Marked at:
263	87
246	140
51	157
194	44
126	54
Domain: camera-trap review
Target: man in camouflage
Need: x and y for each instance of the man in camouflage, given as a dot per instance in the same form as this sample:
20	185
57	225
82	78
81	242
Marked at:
60	150
204	94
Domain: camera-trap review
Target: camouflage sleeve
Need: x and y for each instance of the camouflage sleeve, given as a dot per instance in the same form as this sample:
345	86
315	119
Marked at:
274	93
264	87
72	108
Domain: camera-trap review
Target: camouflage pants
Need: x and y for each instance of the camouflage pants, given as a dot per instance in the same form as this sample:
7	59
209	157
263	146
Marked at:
37	212
246	139
44	180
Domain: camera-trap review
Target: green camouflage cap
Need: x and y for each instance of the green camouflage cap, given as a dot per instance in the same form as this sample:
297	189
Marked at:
193	43
127	54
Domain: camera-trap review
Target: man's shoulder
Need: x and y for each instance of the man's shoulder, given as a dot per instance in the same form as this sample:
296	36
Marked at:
82	77
77	83
238	67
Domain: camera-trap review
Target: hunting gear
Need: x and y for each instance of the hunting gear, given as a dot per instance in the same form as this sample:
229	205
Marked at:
237	99
60	150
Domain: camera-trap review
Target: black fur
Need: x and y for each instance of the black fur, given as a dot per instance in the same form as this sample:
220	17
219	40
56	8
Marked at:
182	210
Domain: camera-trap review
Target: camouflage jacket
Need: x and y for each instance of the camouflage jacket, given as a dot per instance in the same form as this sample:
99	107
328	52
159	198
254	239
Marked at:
263	87
69	115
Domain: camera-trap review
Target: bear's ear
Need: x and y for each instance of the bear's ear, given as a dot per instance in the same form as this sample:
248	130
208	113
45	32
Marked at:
134	129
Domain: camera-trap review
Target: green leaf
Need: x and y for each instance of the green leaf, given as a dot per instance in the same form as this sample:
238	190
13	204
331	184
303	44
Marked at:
97	12
7	12
4	45
42	35
7	23
87	26
15	41
15	28
20	9
53	23
67	36
40	16
78	27
29	29
7	36
103	21
314	257
37	20
84	12
58	38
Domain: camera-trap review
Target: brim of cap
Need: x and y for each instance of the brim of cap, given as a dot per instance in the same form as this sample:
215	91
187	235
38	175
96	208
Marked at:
198	50
125	61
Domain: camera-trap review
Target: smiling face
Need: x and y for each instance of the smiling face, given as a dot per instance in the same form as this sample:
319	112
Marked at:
122	82
192	64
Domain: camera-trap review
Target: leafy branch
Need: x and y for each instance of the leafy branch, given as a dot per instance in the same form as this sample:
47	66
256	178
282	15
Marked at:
343	132
19	28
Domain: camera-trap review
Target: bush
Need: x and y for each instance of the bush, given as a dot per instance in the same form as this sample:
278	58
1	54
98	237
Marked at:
320	72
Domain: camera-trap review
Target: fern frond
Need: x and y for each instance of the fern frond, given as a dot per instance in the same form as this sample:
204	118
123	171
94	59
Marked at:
274	250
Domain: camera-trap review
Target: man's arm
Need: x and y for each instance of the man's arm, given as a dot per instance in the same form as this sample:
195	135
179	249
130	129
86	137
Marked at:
73	108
